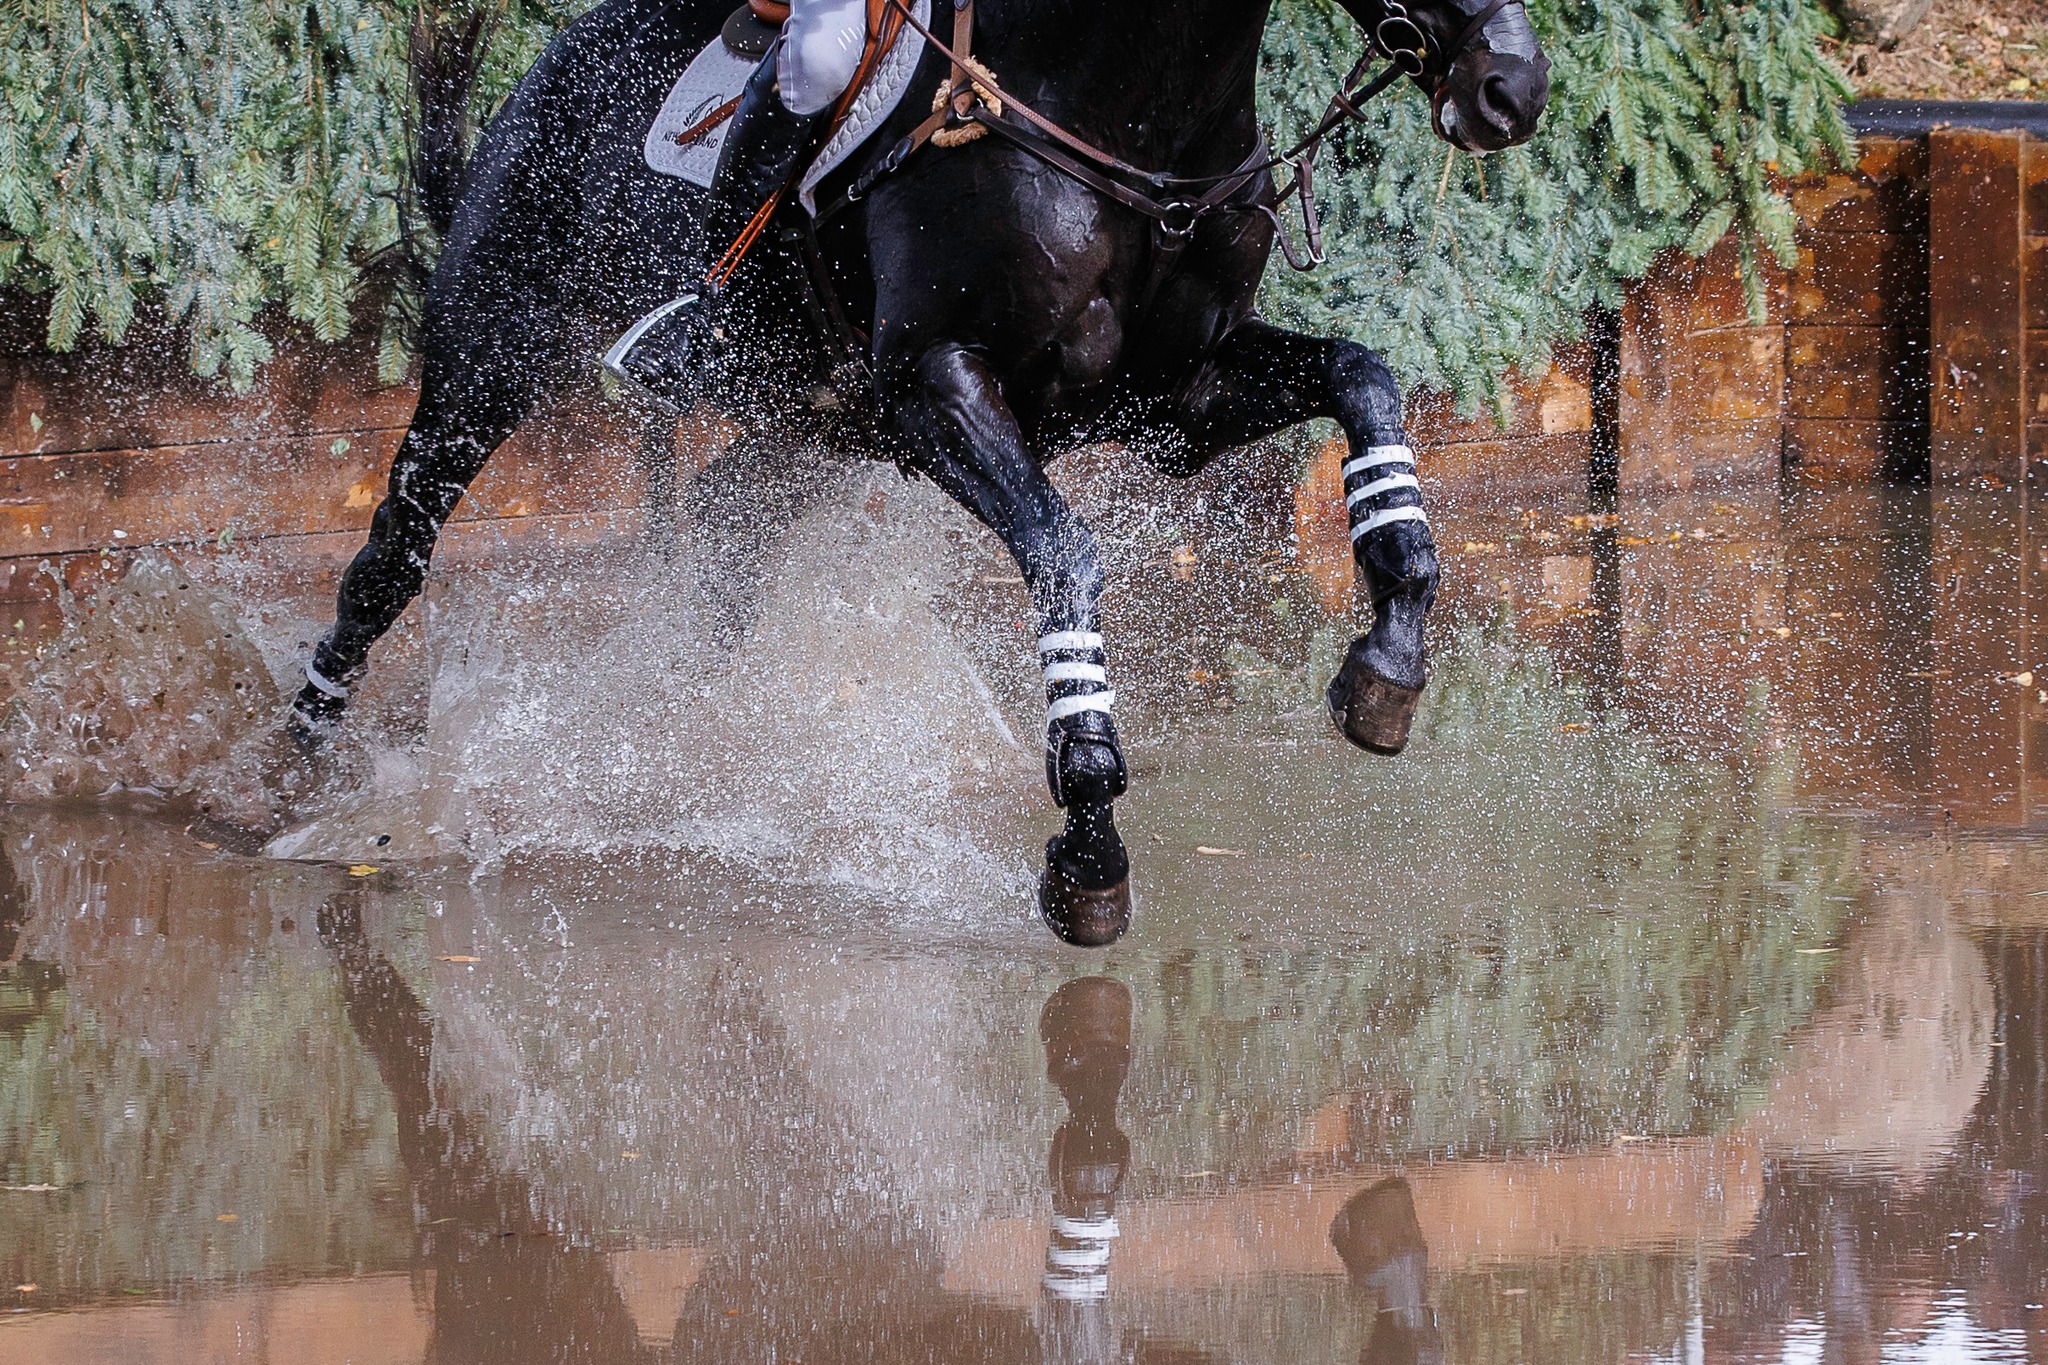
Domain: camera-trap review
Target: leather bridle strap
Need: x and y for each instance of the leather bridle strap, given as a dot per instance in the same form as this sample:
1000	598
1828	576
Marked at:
1097	168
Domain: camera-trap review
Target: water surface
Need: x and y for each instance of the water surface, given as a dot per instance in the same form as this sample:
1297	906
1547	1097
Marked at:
635	994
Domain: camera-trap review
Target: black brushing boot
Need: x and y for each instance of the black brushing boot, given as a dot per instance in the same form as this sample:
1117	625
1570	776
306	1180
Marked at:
667	351
1375	694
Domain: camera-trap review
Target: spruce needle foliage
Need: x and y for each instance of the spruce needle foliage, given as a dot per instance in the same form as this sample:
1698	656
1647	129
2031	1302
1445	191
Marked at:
1670	124
216	157
221	158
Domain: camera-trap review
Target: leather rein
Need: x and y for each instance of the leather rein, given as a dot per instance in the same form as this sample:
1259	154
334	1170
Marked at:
1176	204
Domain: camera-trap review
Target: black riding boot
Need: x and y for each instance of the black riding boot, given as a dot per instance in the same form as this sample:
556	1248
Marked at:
666	351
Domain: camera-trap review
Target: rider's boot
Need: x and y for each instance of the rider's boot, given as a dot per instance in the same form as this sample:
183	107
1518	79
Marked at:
666	351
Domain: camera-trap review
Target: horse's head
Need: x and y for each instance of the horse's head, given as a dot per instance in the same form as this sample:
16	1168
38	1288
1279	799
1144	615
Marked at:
1486	74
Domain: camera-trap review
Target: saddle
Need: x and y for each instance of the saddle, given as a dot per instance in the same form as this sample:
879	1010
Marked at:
686	135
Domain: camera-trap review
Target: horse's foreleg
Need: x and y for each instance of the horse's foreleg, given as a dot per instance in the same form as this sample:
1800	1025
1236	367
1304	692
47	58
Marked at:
1263	379
461	418
960	432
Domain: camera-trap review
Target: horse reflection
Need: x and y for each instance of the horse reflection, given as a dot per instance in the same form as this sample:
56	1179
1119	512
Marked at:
1379	1239
506	1288
1086	1030
510	1287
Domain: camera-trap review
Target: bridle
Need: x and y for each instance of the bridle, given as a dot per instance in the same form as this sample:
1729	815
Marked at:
1176	203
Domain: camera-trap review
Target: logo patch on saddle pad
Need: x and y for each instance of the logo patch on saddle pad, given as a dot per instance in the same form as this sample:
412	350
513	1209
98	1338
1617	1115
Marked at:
718	75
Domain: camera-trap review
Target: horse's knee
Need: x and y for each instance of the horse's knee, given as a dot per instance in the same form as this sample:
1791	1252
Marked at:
1368	398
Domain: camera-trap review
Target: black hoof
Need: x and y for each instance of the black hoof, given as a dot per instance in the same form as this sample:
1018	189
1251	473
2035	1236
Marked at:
1373	713
300	756
1087	917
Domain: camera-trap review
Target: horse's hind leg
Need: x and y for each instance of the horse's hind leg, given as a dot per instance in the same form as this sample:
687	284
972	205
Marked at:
465	412
1263	379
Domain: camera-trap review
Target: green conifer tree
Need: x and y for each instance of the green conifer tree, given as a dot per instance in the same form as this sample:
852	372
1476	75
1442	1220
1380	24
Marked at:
222	158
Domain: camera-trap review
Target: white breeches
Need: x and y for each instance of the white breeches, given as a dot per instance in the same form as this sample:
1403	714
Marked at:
821	47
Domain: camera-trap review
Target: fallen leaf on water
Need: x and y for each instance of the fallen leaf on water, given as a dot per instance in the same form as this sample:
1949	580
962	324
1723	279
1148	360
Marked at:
457	957
1481	547
1208	852
26	1288
1782	632
363	870
2025	679
1574	727
227	1218
1636	540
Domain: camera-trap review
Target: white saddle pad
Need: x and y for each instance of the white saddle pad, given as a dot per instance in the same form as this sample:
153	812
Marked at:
718	75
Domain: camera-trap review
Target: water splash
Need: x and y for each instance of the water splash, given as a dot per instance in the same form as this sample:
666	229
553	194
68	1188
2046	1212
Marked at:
153	684
848	737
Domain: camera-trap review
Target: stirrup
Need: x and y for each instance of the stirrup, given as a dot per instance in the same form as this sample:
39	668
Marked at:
615	358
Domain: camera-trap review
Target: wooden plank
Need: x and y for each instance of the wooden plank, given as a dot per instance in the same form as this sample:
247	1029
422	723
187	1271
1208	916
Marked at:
142	395
65	504
2036	173
1886	193
1872	374
1873	279
323	555
2034	281
1975	305
1829	452
1980	637
1732	375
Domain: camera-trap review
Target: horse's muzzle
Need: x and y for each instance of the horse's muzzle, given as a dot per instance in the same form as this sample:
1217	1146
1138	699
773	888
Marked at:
1491	100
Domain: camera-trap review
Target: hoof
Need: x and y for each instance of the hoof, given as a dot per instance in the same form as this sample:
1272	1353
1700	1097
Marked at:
1086	917
1373	713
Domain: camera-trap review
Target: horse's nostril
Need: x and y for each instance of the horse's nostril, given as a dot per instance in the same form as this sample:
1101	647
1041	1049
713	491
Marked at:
1498	104
1510	96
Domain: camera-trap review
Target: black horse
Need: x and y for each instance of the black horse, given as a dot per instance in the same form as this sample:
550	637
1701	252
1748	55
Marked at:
1005	312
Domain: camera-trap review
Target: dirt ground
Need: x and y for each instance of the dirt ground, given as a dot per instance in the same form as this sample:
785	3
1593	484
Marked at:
1962	50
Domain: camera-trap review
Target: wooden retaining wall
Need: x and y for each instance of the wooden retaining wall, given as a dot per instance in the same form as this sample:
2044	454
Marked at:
1910	339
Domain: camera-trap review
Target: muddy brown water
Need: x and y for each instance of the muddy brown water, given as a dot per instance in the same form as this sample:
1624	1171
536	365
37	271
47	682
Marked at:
1682	994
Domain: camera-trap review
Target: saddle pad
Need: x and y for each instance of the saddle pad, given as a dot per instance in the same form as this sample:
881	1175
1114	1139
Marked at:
718	75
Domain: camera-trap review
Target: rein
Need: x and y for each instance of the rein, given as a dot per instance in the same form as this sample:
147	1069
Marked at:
974	100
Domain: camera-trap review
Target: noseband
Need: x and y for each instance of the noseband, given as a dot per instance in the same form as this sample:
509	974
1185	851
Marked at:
1401	40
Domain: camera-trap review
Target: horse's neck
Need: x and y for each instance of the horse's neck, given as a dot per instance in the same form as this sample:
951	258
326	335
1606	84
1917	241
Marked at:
1168	84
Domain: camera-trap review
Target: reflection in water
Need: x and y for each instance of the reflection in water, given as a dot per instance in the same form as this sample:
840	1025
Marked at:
1380	1239
1694	1012
1086	1029
506	1288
